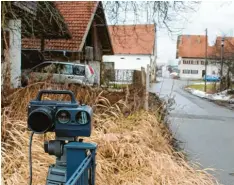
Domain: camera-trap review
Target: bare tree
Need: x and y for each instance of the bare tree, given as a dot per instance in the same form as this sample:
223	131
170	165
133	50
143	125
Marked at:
38	18
163	13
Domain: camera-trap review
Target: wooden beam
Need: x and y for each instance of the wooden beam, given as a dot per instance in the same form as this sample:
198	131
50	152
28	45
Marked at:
42	44
106	50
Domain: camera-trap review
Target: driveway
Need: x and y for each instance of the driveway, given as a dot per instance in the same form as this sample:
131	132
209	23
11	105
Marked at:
205	129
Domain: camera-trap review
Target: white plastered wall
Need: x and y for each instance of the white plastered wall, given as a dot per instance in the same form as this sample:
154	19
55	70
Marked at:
128	61
211	68
15	52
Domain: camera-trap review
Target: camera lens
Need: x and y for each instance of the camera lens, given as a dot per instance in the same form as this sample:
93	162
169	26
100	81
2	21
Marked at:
40	120
63	116
82	117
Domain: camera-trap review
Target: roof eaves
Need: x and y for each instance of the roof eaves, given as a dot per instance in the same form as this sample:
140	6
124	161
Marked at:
57	50
88	27
145	54
108	32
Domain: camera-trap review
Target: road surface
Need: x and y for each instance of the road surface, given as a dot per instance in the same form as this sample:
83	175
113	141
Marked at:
206	129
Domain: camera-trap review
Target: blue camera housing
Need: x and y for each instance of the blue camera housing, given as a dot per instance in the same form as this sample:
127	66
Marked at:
73	127
50	109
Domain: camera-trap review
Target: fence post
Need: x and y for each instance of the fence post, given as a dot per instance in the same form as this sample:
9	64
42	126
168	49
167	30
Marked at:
143	77
147	88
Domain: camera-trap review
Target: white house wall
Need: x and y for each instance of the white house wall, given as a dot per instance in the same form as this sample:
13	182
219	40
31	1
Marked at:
128	61
15	51
211	68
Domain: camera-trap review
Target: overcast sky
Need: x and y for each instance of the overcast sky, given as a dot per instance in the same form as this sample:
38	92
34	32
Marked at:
217	17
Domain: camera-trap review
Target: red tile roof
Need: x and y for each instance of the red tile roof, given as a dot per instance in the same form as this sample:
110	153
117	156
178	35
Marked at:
193	46
77	16
228	47
132	39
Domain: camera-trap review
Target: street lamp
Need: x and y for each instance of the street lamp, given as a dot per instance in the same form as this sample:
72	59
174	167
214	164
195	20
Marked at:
221	72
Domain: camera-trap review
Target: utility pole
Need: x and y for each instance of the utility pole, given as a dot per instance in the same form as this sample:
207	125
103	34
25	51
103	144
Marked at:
206	61
221	71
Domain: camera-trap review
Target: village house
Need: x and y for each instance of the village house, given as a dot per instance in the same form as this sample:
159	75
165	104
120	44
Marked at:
191	55
89	40
134	47
191	52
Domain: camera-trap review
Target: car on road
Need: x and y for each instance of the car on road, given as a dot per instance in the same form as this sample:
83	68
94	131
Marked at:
211	78
60	72
174	75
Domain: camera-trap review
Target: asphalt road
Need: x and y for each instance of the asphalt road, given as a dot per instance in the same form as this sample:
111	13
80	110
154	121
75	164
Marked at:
205	129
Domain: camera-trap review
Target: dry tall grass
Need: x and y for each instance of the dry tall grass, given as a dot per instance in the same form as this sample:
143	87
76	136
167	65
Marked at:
132	148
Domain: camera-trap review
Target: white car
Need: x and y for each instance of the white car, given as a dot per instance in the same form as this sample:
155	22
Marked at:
174	75
60	72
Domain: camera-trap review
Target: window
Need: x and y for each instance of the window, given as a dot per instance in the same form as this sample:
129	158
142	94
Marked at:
79	70
188	62
202	63
186	71
64	69
45	68
203	73
193	62
194	71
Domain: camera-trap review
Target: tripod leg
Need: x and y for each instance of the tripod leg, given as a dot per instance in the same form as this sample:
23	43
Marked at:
57	172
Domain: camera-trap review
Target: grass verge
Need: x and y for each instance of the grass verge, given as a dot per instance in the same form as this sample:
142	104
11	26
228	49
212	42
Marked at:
211	87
